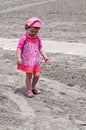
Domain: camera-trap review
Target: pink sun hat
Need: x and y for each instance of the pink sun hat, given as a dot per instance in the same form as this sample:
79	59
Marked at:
34	22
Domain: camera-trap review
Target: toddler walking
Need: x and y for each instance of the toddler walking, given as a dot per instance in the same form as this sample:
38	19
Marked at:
28	52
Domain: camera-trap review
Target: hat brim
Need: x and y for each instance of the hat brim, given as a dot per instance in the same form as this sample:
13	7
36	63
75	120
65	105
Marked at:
37	24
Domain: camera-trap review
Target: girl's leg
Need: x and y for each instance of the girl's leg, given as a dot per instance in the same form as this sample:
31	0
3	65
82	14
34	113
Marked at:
34	82
28	81
35	79
29	92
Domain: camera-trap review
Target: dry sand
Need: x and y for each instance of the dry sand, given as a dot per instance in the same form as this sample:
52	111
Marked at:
62	102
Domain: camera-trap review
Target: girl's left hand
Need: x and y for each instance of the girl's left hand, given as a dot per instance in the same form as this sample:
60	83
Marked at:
46	59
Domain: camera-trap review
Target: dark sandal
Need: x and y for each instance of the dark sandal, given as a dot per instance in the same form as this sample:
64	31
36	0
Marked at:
36	91
29	94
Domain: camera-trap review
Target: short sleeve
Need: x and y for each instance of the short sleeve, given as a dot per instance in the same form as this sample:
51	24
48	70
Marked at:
40	43
21	41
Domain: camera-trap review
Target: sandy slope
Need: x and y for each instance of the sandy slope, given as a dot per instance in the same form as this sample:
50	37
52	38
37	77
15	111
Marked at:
61	103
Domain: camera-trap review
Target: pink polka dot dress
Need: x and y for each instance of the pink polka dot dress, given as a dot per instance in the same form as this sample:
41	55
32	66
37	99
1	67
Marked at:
30	54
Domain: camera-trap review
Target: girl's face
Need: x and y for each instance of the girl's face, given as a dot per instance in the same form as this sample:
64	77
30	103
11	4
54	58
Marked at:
32	31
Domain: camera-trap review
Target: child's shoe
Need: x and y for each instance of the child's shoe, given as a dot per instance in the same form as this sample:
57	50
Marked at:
36	91
29	94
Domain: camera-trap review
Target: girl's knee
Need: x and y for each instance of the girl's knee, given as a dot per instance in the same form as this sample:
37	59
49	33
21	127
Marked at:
37	75
29	75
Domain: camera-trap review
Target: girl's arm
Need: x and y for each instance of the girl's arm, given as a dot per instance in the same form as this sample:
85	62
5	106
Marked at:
42	51
18	54
19	48
44	55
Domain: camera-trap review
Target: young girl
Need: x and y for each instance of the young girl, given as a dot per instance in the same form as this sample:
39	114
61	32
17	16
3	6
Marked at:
28	58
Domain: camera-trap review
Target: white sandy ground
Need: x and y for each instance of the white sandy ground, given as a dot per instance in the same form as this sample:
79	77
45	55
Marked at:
62	102
50	46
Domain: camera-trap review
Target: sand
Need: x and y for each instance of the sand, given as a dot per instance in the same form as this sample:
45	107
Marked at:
62	102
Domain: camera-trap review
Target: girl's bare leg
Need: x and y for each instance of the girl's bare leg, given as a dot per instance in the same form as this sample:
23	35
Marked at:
35	79
28	81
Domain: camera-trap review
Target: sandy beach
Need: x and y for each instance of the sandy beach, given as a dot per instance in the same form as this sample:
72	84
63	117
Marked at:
62	102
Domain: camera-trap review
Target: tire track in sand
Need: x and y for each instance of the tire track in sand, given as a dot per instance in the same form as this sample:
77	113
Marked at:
16	8
25	109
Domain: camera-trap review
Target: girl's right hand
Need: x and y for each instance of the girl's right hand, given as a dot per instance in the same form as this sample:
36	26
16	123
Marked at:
19	61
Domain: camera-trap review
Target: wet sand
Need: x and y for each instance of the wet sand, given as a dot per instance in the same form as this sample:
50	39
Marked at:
62	102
